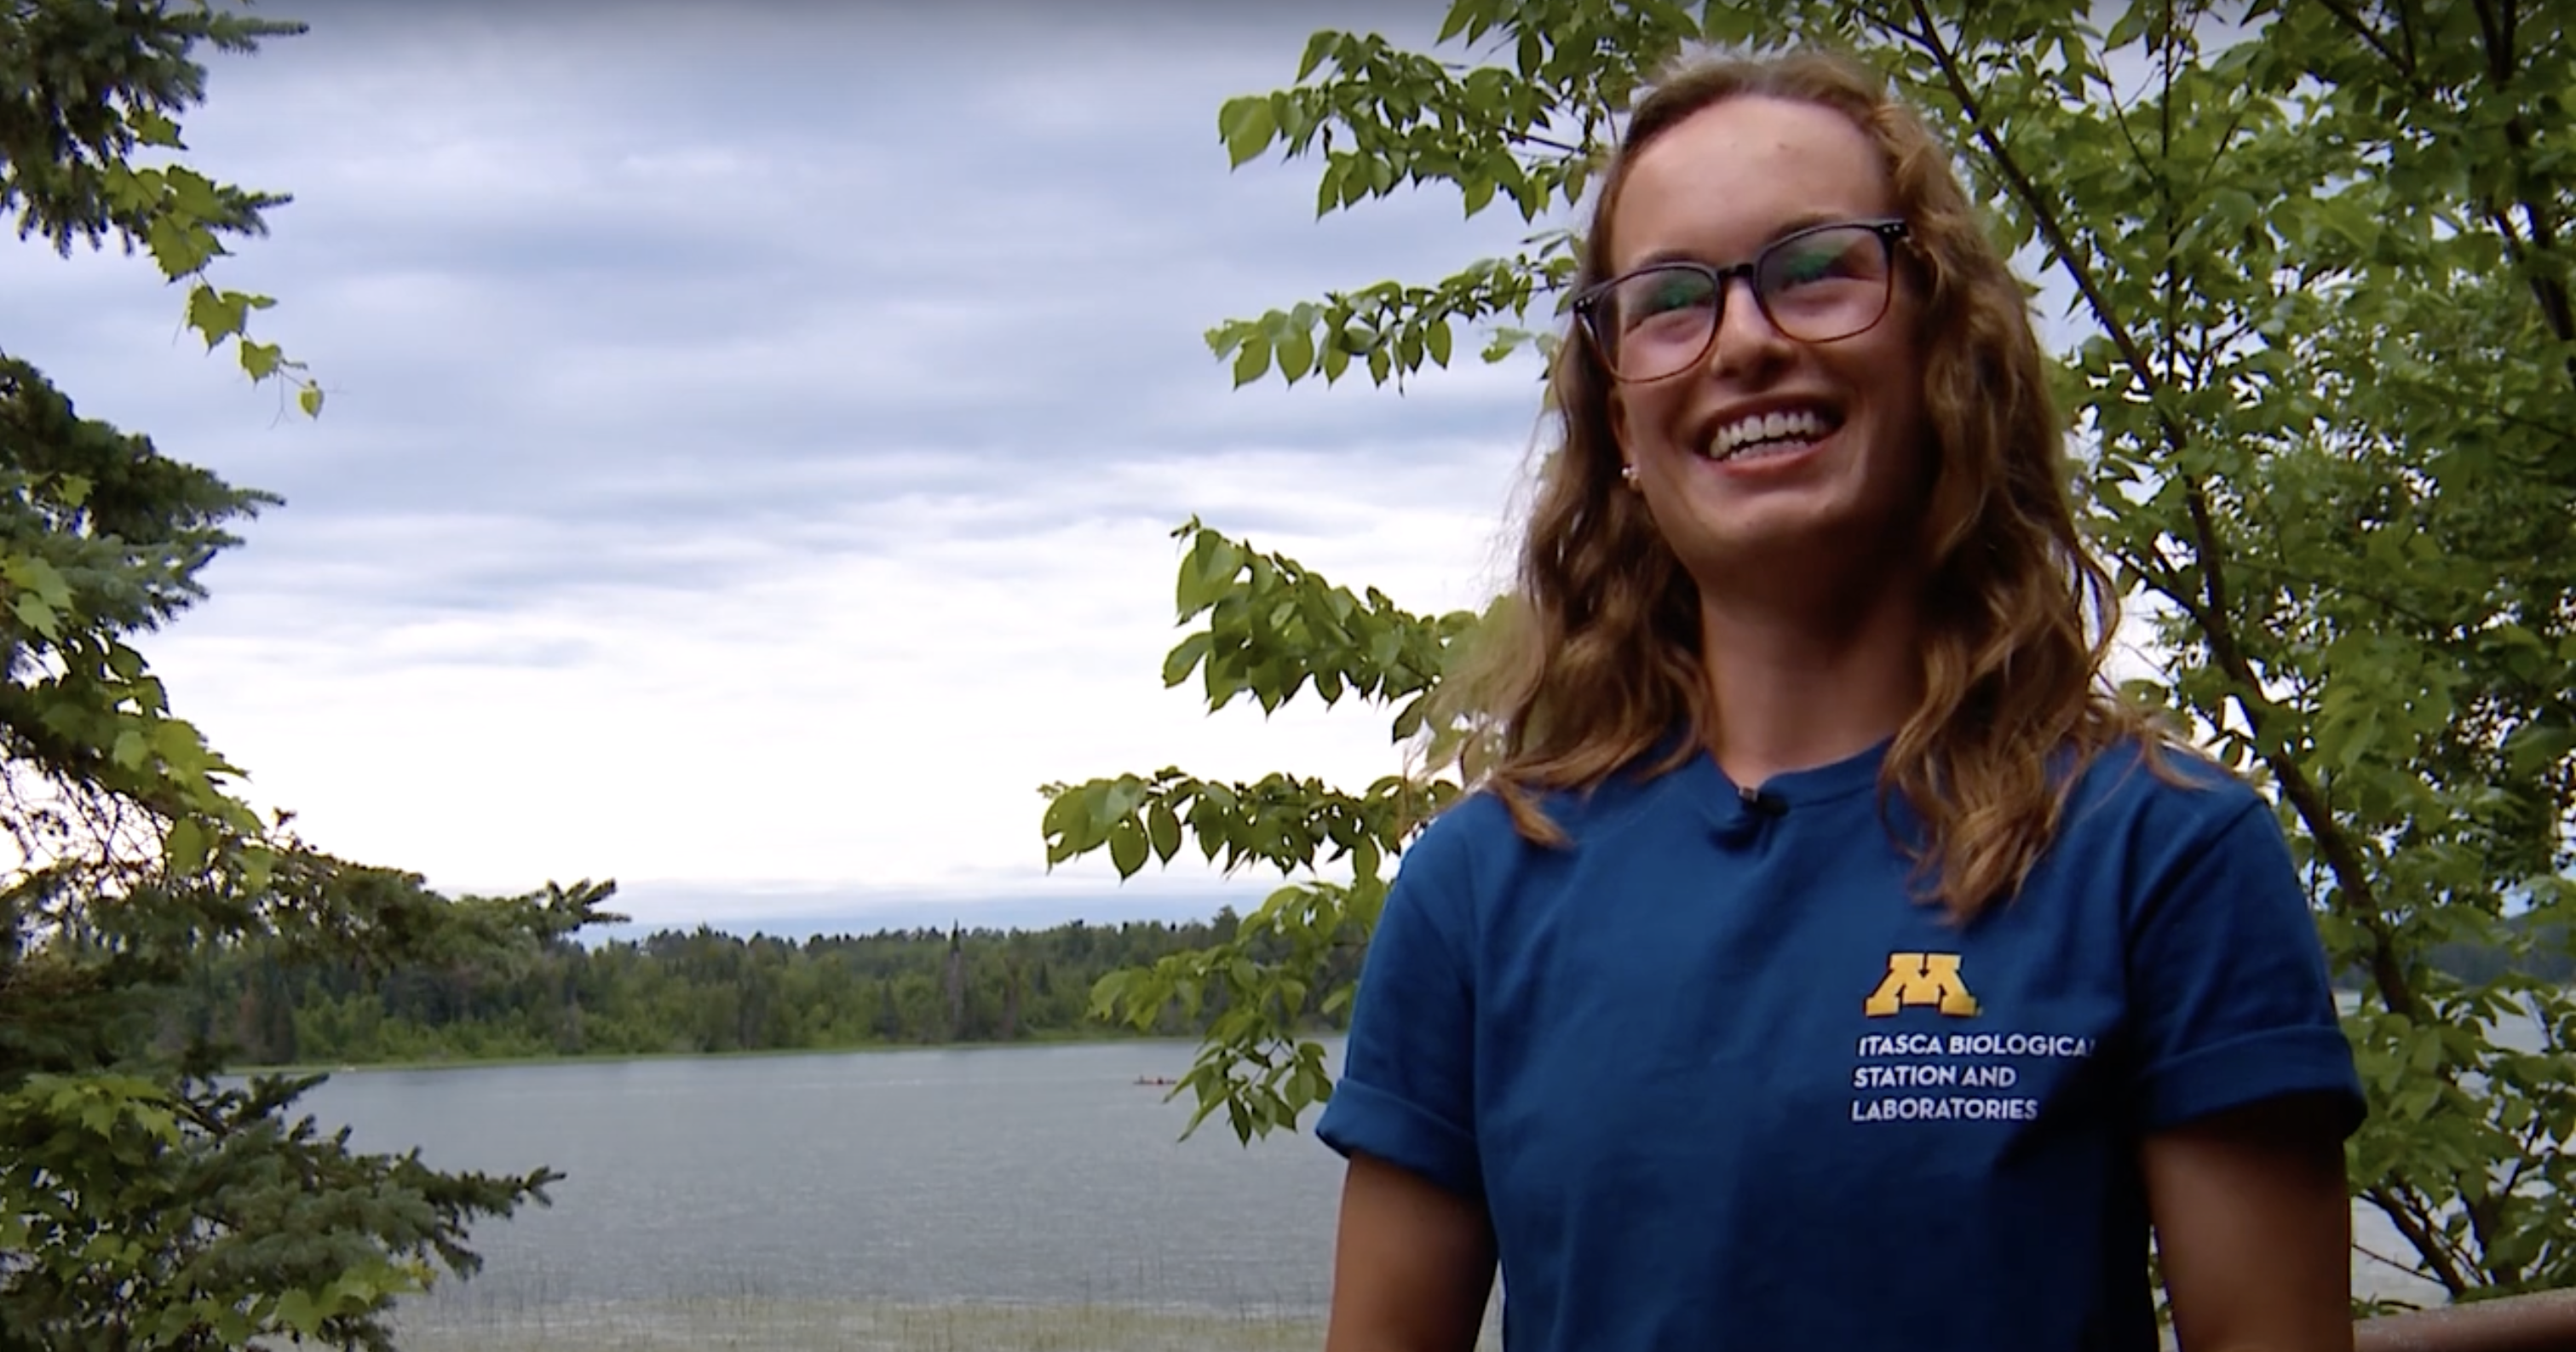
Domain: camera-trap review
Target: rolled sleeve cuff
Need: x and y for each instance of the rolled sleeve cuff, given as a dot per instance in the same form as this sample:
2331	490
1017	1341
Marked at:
1361	1120
2249	1070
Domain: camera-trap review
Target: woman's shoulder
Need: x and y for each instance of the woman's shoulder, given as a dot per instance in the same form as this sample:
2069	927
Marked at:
2166	785
2152	821
1477	829
1491	836
1490	820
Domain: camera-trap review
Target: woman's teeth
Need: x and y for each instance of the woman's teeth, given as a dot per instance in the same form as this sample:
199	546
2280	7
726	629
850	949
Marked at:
1767	434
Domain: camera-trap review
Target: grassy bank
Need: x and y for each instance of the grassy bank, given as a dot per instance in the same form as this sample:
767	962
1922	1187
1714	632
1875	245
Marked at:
759	1324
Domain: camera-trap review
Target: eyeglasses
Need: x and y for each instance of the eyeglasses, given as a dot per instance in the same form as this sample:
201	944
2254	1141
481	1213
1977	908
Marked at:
1816	285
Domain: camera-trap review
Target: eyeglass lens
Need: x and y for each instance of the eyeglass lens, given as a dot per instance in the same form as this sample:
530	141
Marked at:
1815	286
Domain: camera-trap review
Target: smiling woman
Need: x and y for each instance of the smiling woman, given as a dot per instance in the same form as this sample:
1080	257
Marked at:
1828	960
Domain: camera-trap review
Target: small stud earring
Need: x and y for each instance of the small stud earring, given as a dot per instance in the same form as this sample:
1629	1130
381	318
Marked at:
1628	472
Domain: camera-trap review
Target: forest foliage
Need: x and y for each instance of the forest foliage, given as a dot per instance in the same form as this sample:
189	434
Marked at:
687	992
148	1203
2310	270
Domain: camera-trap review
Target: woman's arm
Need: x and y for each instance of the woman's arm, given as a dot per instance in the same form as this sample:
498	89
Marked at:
2254	1227
1413	1264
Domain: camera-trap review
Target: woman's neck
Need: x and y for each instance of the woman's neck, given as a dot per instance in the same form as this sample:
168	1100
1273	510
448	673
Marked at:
1801	685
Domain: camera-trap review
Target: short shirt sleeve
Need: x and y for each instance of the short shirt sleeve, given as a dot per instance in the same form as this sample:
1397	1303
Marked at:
2229	992
1407	1090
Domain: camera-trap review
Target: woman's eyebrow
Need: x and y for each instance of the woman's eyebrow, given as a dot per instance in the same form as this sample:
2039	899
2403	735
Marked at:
1802	221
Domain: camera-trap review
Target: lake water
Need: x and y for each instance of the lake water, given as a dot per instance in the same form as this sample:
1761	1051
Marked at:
863	1200
857	1185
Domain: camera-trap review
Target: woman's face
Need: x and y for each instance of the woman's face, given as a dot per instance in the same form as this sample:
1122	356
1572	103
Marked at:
1768	451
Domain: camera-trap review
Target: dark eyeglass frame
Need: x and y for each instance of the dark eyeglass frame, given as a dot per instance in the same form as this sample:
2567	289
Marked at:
1586	304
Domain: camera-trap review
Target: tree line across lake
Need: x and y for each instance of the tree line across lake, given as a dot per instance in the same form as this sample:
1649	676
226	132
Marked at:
697	991
705	991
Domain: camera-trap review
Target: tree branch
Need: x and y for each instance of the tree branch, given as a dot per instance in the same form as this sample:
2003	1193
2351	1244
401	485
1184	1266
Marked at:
2213	611
2497	30
2419	1231
2171	273
2486	1215
2043	216
2262	714
2345	15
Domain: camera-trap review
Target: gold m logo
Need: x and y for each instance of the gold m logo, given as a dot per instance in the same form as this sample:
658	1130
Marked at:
1921	979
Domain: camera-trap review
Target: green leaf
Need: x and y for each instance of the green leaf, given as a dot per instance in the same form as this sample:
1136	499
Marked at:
1249	124
1476	192
182	248
1127	847
1252	360
259	360
152	128
1185	658
1366	859
214	314
1165	830
1068	811
1118	799
2350	218
1317	48
1296	353
1236	113
296	1310
30	573
2129	27
32	612
192	194
187	846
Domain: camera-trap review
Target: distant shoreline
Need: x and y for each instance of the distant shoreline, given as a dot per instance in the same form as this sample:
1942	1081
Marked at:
760	1053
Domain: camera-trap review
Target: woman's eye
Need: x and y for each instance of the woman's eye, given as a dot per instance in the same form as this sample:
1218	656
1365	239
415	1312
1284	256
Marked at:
1810	265
1680	291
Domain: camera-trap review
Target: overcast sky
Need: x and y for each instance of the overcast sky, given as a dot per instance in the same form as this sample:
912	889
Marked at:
755	433
754	437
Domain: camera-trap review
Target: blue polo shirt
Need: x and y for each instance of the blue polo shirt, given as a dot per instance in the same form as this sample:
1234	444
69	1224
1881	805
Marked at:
1722	1082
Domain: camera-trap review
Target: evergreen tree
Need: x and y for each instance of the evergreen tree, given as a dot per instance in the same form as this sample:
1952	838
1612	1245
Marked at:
144	1206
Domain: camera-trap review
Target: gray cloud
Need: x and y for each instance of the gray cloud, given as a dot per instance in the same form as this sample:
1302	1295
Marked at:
575	262
677	354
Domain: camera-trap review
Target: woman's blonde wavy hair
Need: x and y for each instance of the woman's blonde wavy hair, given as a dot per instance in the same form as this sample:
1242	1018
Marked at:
1594	660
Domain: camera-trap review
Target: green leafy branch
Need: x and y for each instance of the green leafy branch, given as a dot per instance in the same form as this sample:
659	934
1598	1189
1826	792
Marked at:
1267	628
1286	822
134	1187
146	1204
179	213
1260	983
1263	983
1384	119
68	159
1271	626
1392	328
102	538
